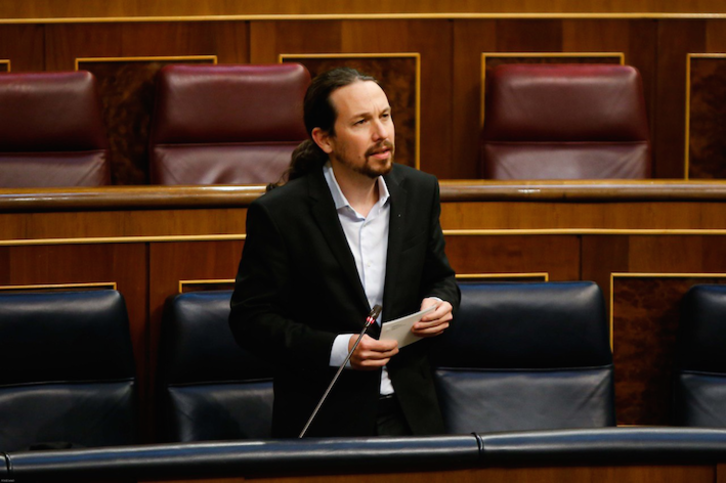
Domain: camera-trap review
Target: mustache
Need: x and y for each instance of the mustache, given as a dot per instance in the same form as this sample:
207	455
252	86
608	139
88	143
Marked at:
385	144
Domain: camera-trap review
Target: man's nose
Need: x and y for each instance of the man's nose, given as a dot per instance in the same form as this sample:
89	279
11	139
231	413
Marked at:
380	131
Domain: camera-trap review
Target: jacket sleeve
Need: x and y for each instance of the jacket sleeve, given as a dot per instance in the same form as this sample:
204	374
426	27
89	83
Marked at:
261	318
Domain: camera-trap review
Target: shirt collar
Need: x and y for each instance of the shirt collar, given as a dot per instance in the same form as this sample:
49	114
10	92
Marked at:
338	196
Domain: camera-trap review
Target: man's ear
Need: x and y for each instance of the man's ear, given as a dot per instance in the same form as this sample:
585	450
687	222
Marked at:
323	139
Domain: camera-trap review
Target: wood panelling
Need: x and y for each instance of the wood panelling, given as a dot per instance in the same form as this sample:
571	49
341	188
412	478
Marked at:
563	474
646	312
22	45
645	309
675	41
556	255
53	9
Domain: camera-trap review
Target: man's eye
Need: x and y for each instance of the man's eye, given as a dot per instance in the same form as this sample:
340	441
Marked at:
362	121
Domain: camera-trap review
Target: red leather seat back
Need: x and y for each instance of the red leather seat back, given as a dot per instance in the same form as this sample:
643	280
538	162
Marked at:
51	131
226	124
565	121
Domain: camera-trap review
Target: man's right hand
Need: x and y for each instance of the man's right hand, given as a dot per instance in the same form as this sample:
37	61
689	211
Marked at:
371	353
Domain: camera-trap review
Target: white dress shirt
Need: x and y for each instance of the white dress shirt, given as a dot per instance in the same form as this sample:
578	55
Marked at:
367	238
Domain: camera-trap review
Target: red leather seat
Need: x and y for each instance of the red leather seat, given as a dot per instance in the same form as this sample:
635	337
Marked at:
565	122
226	124
51	131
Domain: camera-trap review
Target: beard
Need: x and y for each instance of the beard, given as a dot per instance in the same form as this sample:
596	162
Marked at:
372	168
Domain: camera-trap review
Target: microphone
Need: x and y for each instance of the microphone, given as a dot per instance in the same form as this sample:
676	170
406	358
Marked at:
371	318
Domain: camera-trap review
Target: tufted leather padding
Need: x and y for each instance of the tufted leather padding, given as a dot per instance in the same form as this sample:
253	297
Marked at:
226	124
211	388
68	370
51	131
700	377
524	356
565	122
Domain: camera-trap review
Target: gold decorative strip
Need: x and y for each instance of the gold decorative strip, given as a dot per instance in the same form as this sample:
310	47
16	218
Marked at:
383	55
370	16
475	276
182	283
60	286
484	55
614	275
472	232
584	231
5	62
125	239
173	58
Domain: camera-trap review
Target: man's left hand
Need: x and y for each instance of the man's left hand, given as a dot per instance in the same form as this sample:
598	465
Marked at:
434	323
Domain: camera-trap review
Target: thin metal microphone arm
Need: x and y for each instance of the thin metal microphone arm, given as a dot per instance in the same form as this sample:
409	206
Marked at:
372	316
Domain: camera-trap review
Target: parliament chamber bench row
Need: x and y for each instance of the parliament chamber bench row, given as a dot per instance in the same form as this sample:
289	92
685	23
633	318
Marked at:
520	357
238	124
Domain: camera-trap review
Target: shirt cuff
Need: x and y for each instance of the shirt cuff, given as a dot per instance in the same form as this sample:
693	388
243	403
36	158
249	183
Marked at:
340	350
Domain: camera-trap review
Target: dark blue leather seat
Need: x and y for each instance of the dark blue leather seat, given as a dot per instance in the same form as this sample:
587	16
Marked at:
68	370
211	389
526	356
700	376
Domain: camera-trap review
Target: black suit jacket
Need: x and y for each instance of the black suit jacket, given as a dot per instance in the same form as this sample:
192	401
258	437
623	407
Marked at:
297	288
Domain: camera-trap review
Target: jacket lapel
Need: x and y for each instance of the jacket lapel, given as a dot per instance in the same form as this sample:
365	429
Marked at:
326	217
398	200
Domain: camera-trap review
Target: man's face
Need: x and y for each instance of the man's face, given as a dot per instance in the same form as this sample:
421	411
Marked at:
364	133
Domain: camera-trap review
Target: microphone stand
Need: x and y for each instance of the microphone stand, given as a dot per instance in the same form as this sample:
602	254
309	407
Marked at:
372	316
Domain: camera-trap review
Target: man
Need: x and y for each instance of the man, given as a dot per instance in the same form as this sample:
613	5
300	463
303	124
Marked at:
349	230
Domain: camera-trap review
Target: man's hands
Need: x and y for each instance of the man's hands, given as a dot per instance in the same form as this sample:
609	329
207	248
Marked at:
371	354
434	323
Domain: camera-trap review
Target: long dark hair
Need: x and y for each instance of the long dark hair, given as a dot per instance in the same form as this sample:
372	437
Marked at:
318	111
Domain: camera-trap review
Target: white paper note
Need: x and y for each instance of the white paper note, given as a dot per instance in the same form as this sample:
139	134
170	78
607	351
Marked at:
400	329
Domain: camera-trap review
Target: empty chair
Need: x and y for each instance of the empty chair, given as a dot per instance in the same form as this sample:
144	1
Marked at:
51	131
700	376
211	389
525	356
565	122
226	124
68	376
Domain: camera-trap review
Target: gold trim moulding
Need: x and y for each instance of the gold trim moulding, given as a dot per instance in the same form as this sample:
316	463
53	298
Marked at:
54	286
120	239
6	62
182	283
370	16
160	58
499	275
449	233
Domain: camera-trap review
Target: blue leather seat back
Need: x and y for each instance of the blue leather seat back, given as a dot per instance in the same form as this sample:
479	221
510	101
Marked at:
211	388
69	373
524	356
700	379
